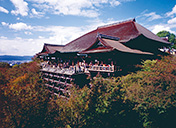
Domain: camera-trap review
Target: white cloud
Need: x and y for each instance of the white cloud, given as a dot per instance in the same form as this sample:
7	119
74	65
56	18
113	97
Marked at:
41	37
152	16
158	28
57	35
172	12
70	7
3	37
20	26
61	34
89	13
3	10
28	33
87	8
4	23
172	21
21	7
20	46
34	11
18	38
114	3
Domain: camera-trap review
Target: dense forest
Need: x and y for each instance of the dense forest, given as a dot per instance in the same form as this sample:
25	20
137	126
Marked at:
146	98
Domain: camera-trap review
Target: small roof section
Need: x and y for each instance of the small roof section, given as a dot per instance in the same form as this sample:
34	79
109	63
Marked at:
111	45
120	47
149	34
97	50
50	49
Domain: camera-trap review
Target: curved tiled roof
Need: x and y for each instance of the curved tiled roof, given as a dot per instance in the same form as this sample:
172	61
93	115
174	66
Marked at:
125	31
120	47
112	45
80	43
51	48
149	34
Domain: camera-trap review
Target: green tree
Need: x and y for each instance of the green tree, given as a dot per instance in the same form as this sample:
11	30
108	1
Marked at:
171	36
107	107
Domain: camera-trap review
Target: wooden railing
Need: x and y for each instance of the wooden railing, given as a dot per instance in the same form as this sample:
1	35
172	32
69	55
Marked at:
101	68
80	69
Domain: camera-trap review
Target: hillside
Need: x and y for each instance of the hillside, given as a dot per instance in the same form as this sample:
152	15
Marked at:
144	99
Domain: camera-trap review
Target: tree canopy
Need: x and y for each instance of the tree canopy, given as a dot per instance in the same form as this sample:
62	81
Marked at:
171	36
146	98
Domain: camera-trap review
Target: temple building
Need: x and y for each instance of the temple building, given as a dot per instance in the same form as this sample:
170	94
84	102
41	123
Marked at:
110	50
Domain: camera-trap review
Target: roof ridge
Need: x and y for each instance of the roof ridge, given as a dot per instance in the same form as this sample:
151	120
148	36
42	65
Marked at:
53	44
117	23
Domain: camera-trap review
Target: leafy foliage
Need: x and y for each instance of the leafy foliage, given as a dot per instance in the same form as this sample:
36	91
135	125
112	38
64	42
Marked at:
71	112
99	106
146	98
24	99
4	65
148	64
107	107
173	46
154	92
164	33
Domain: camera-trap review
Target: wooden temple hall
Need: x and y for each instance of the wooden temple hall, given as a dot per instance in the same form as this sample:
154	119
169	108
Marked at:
109	50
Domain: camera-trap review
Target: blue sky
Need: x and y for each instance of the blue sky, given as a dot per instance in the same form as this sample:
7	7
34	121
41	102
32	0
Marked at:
25	25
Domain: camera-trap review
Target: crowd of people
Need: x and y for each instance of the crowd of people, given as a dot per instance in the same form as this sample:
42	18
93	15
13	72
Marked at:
169	50
80	66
